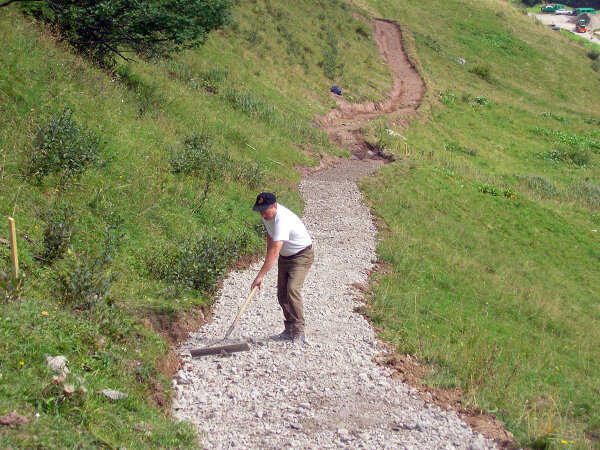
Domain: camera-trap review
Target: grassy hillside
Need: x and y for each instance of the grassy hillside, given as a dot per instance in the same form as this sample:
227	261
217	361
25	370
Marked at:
486	227
491	223
176	152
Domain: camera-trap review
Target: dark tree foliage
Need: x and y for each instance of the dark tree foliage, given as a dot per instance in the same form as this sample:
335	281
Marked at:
105	29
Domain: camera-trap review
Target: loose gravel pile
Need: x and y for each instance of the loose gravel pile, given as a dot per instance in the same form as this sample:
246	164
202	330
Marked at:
327	393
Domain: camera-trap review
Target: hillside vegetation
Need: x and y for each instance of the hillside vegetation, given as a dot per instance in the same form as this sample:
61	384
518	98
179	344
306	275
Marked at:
486	227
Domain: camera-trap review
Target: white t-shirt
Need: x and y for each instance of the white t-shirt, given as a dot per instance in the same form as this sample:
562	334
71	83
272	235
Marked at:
287	227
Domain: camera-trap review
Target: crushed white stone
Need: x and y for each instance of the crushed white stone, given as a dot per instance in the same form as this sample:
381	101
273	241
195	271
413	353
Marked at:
327	393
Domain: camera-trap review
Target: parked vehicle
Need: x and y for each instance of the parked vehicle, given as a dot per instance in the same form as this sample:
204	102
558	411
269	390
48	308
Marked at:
581	26
579	11
552	7
562	12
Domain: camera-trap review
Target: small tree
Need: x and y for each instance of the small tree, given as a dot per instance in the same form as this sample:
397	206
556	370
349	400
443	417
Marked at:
105	29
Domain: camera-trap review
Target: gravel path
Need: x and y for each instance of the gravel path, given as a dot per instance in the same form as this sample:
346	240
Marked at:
327	393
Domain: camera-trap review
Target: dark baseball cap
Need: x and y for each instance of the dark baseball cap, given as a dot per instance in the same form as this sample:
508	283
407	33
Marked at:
264	201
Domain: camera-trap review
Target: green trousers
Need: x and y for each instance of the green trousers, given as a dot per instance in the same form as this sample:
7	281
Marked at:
291	272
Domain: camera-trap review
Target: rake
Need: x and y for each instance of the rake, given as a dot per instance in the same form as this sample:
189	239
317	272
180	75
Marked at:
229	348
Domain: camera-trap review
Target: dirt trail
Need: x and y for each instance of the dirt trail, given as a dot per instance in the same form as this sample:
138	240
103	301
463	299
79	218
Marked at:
344	124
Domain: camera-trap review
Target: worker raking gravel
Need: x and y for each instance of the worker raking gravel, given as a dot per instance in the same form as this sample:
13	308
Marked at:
290	245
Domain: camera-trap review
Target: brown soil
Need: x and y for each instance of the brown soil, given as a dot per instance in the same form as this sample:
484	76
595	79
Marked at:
13	420
344	126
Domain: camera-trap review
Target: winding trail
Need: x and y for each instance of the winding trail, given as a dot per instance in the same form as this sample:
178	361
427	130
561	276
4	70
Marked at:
344	124
328	393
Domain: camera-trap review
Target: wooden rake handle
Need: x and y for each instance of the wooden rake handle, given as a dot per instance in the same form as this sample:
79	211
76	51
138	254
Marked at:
242	309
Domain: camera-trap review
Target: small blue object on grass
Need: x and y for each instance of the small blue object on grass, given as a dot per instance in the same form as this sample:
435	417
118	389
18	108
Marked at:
336	90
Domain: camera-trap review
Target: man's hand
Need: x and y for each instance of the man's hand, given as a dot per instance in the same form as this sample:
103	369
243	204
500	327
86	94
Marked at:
257	282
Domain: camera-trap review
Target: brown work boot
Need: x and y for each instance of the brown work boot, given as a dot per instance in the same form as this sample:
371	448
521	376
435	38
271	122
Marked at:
298	338
286	335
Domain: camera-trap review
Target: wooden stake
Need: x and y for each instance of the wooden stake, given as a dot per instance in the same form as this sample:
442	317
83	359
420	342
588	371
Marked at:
13	246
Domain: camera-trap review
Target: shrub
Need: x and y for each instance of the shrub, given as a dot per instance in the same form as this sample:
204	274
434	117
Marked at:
86	281
595	65
11	287
58	231
253	36
578	157
64	148
196	158
557	117
593	54
200	263
363	30
483	72
481	101
489	189
250	174
447	97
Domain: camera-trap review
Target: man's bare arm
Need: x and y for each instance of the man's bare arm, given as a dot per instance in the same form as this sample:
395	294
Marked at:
273	249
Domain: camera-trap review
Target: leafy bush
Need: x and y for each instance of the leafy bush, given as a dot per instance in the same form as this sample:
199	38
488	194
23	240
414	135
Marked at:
557	117
11	287
489	189
483	72
447	97
63	148
593	54
196	158
58	231
363	30
250	174
251	106
501	41
86	281
200	263
481	101
595	65
253	36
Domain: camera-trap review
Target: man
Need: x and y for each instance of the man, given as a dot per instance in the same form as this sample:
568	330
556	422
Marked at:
290	245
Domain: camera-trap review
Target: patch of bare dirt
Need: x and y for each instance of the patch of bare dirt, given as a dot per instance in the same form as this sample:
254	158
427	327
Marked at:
13	420
344	124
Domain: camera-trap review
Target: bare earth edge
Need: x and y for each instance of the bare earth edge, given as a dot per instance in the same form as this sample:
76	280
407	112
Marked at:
344	126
